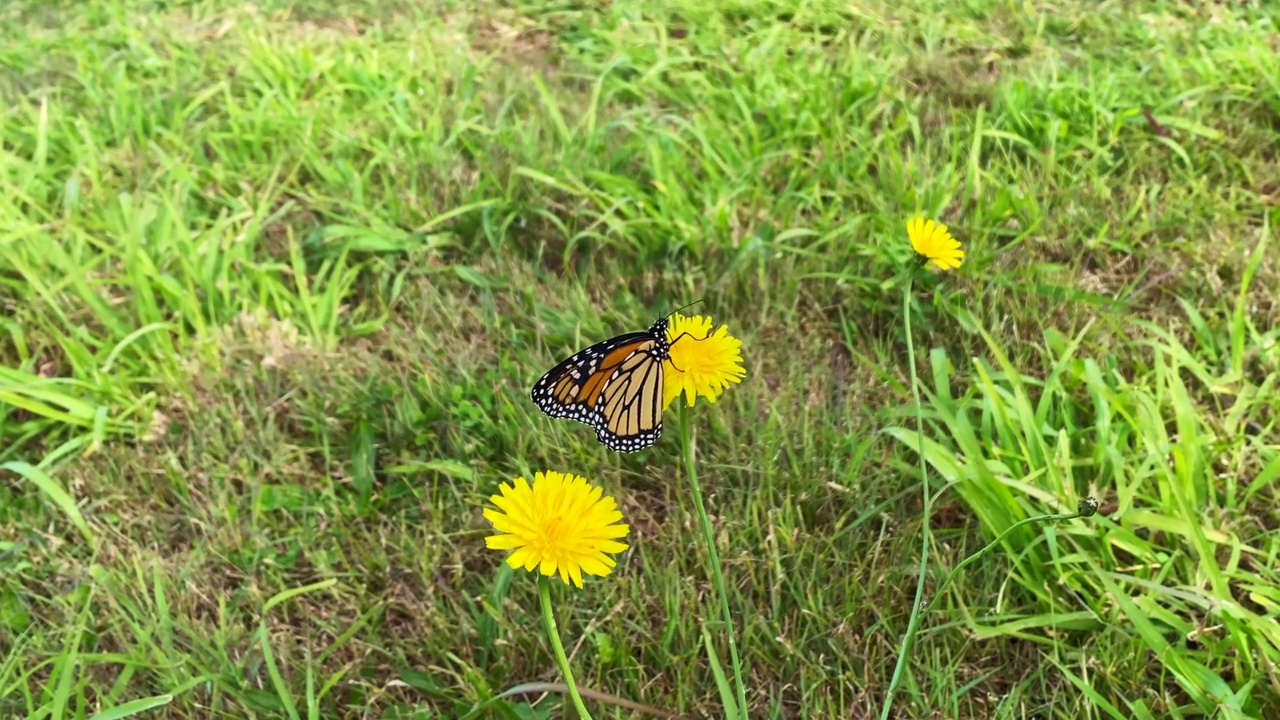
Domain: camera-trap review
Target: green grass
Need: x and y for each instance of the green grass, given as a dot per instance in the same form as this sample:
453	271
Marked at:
275	282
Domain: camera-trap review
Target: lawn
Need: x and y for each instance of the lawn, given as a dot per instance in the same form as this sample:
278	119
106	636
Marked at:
276	280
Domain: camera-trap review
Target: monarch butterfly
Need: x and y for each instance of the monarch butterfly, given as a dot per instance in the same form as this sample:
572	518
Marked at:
615	386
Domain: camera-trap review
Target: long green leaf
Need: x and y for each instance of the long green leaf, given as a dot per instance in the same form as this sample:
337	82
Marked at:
133	707
54	491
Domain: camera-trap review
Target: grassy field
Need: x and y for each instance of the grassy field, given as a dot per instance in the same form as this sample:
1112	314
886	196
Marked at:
276	278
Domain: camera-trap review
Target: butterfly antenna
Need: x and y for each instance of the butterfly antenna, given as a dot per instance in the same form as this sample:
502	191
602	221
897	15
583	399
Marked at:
695	302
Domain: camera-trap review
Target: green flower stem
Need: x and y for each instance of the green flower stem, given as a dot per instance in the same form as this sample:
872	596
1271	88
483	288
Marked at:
1087	508
544	595
913	623
717	579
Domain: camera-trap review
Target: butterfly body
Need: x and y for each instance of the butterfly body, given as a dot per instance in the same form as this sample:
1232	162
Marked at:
614	386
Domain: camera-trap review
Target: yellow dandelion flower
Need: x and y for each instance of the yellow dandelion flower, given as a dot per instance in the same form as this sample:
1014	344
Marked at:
560	523
932	240
701	362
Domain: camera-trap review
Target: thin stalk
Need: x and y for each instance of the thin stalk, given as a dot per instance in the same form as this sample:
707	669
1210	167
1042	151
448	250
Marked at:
1086	508
913	623
717	579
544	595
